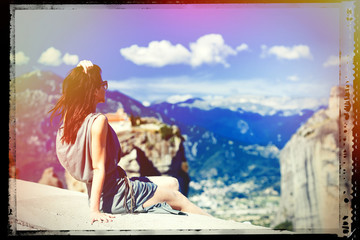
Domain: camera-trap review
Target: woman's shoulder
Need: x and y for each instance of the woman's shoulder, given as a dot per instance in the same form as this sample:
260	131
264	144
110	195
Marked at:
100	122
101	118
97	117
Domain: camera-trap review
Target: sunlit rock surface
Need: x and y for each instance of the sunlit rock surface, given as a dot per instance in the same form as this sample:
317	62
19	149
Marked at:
310	172
36	206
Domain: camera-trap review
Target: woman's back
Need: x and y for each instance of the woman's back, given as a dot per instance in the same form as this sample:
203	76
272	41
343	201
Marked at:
77	158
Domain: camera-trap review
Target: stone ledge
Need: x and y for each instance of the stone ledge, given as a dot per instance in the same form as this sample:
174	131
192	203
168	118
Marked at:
37	207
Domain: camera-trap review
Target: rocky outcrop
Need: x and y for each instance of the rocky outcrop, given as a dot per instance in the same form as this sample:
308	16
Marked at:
50	178
310	172
73	184
152	148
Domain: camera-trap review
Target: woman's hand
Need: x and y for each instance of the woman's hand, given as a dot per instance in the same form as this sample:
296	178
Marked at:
85	64
101	217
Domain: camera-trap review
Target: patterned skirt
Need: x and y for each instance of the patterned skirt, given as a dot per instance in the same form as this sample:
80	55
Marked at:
128	195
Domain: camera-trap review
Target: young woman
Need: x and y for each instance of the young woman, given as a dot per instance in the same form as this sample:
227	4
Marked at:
89	150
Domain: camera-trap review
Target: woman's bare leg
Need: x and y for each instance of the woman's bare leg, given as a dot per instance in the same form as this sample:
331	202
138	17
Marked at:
175	199
166	182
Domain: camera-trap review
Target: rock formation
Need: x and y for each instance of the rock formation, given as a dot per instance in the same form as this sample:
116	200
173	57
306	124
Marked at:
310	172
50	178
73	184
152	148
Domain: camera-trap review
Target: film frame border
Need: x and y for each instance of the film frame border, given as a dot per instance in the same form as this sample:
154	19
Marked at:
348	171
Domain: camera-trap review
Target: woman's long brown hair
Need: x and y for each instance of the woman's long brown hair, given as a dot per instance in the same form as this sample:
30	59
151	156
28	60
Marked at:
77	100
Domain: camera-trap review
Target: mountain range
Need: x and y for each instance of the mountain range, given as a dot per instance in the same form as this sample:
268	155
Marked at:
244	126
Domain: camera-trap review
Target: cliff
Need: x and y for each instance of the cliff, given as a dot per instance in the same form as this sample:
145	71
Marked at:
309	165
152	148
41	209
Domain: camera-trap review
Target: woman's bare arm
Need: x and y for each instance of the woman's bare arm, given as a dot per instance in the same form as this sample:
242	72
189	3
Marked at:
98	149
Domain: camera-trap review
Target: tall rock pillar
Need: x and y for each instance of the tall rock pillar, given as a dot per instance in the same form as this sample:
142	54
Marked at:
309	165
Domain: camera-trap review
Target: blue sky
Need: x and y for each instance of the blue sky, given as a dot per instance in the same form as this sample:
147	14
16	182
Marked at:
154	53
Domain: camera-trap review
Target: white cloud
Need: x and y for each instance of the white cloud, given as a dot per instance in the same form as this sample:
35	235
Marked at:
157	54
51	57
263	105
178	98
20	58
70	59
154	89
334	60
242	47
263	51
293	78
208	49
289	53
146	103
331	61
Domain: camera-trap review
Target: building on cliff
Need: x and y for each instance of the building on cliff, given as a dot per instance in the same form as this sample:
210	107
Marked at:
310	182
119	120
